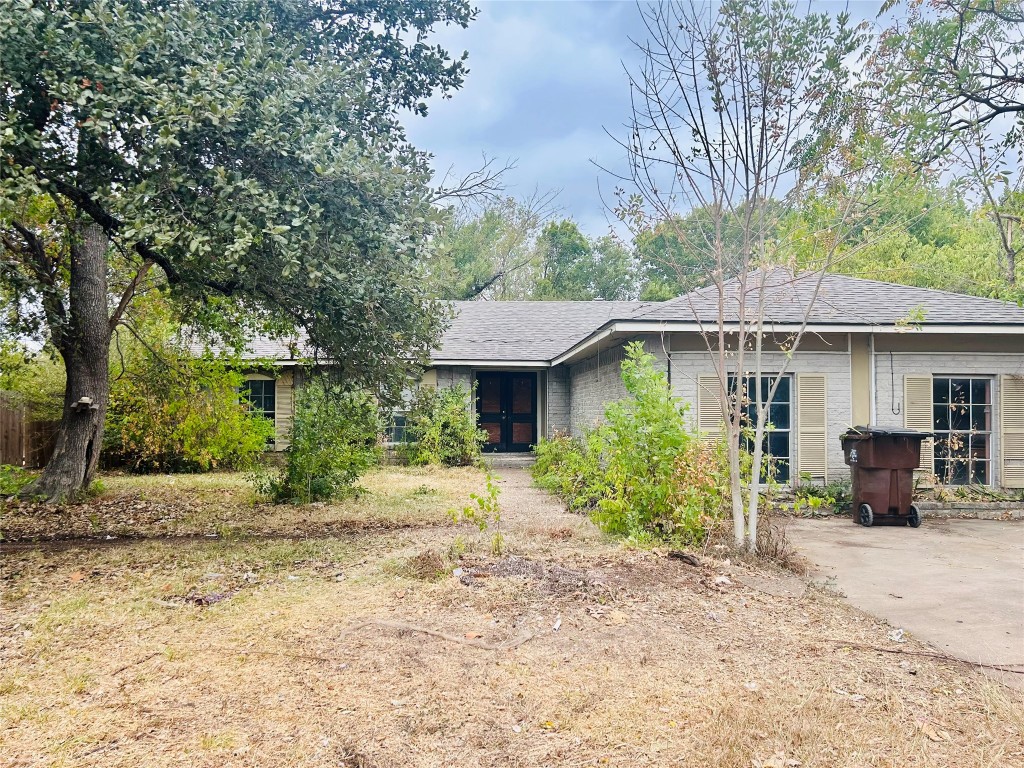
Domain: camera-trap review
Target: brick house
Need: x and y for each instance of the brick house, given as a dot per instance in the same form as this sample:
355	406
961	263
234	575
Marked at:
872	352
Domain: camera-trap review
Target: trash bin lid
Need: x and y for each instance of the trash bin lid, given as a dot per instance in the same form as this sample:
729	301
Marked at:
874	431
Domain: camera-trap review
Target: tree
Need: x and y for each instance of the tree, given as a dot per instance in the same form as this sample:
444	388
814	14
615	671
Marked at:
740	113
248	153
489	252
950	80
574	268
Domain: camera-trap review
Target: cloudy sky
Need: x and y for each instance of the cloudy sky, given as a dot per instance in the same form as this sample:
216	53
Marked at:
546	82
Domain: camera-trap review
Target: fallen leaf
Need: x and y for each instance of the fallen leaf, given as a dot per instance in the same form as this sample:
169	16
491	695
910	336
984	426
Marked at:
76	576
473	635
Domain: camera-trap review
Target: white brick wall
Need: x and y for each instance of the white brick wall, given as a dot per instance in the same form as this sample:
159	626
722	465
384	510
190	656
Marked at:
891	370
688	366
556	401
597	381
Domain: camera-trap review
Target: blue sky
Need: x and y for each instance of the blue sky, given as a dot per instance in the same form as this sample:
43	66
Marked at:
546	81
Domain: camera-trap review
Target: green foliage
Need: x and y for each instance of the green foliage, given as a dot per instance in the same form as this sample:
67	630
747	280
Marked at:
574	268
642	473
835	496
13	479
171	411
440	428
335	439
251	153
484	512
35	379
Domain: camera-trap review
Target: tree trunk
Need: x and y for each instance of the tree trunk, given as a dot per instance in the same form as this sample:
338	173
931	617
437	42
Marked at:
85	347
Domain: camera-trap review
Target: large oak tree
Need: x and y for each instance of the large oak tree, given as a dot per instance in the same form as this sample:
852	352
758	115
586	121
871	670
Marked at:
246	152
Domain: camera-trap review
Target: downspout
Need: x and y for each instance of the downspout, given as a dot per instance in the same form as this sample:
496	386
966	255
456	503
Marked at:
872	400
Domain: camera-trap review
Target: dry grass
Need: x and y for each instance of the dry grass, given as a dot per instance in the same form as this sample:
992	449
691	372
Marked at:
109	658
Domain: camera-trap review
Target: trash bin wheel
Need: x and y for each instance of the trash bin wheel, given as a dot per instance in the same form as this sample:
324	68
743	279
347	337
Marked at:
914	518
865	516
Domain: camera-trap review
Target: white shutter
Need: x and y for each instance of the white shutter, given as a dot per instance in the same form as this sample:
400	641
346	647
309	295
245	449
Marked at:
709	406
812	426
1011	427
917	414
284	409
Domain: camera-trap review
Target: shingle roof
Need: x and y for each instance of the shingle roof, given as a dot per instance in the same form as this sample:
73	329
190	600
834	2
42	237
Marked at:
540	331
525	330
840	300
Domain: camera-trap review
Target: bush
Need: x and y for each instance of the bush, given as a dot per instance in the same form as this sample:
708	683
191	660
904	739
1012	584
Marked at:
335	439
440	428
641	473
176	413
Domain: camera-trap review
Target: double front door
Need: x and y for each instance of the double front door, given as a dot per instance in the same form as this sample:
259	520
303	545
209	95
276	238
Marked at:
506	407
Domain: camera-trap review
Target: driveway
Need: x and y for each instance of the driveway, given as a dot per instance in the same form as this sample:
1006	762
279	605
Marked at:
956	584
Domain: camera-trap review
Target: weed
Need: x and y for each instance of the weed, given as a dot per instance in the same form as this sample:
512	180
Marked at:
485	512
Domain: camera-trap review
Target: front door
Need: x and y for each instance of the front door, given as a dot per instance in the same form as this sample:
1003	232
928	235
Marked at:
506	407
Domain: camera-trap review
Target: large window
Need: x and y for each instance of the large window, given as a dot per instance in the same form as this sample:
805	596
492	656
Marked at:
777	444
261	394
962	420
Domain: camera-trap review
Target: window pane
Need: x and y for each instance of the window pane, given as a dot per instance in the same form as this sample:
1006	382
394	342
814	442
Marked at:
782	393
960	390
979	447
980	421
980	473
959	416
941	421
778	444
980	391
778	415
940	390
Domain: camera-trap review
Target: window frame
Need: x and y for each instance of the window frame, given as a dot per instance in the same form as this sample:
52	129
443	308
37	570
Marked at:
245	396
941	441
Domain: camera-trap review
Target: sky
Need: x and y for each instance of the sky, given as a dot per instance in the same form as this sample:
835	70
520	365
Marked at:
546	86
545	82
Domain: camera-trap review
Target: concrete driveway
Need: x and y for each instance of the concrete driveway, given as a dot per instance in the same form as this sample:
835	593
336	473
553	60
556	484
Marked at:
956	584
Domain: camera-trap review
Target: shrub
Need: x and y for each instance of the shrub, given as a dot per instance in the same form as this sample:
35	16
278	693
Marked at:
171	412
335	439
441	428
641	473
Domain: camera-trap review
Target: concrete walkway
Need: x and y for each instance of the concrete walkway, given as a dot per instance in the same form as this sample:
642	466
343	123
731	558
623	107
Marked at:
957	584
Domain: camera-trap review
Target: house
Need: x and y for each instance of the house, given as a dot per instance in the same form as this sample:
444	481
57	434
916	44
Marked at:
872	352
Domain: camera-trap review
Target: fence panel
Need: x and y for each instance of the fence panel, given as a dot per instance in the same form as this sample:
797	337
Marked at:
23	441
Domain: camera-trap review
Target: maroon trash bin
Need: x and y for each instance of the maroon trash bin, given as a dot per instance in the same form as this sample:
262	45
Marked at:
882	463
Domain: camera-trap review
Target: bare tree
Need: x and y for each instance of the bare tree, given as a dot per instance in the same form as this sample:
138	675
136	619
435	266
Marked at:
740	112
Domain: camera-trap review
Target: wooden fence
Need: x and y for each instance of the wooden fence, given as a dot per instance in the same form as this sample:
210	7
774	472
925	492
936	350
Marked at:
24	442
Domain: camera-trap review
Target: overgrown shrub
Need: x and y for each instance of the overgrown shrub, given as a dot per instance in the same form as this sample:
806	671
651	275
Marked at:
171	411
641	472
335	439
440	428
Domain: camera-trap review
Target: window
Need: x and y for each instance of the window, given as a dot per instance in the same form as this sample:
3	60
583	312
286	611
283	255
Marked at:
777	444
962	421
395	431
261	394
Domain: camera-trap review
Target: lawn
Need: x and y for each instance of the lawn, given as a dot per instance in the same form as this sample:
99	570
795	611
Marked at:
172	621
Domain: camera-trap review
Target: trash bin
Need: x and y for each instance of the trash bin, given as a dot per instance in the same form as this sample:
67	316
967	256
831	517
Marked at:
882	463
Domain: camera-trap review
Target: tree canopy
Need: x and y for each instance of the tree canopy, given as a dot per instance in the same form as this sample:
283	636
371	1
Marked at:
248	153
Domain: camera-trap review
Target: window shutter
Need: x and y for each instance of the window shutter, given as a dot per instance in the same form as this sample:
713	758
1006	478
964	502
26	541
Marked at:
917	414
812	426
1011	426
709	406
284	409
